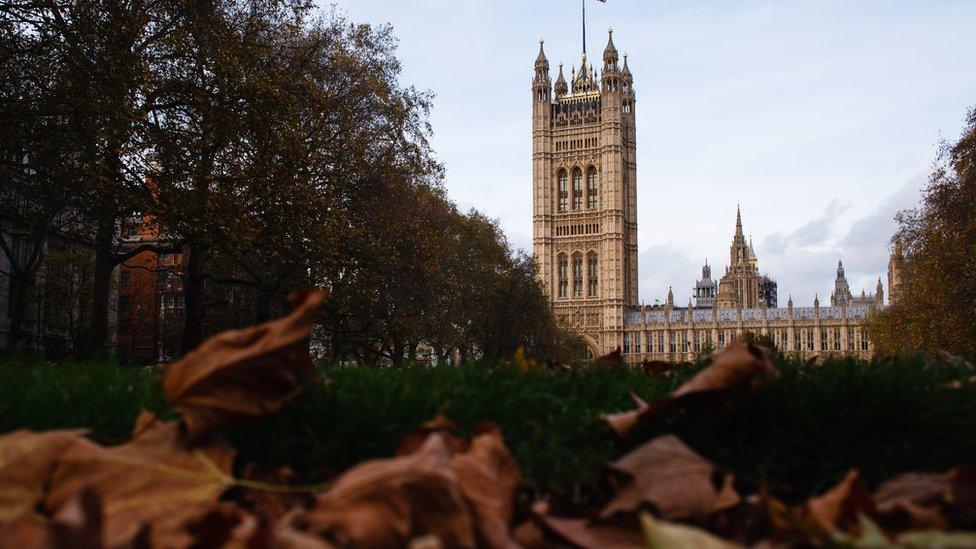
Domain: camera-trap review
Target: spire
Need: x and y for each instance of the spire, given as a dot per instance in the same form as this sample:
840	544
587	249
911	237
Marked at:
542	61
561	87
610	55
626	67
840	269
738	222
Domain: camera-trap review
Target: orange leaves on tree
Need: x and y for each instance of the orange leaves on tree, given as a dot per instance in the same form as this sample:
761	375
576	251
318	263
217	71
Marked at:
243	373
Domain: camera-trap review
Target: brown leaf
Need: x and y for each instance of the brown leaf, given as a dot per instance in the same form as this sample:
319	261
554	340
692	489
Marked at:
917	488
839	507
489	479
245	373
78	525
416	438
671	478
152	480
609	361
388	502
736	366
27	461
588	534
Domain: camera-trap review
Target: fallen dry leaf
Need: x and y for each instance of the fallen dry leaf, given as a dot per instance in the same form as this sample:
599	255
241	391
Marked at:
736	366
489	478
609	361
585	533
78	525
839	507
673	480
415	438
150	481
243	373
388	502
27	461
663	535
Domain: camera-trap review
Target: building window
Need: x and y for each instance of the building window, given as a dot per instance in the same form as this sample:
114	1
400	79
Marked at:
578	275
697	341
864	341
125	277
577	189
626	343
125	303
591	188
660	342
810	340
671	345
637	342
850	340
721	339
563	191
591	271
796	340
823	341
563	276
836	340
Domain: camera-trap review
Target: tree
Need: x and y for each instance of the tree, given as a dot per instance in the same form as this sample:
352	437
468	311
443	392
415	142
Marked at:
935	306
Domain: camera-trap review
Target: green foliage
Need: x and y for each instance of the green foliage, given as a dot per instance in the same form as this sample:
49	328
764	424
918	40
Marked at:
800	434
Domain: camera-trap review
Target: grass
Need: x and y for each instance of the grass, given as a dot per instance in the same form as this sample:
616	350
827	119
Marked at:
800	434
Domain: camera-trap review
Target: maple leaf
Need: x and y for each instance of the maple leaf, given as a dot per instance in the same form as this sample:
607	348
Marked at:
149	482
671	478
738	365
27	461
243	373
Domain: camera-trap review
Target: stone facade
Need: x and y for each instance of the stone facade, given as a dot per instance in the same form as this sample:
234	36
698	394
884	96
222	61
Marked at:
584	173
584	166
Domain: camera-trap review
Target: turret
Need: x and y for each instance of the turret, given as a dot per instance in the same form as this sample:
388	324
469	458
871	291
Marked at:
562	88
610	56
541	85
879	296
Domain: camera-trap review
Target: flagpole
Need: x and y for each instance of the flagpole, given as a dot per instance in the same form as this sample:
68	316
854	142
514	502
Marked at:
584	27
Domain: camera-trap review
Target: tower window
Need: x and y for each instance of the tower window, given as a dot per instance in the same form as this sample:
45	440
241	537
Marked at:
578	275
577	189
563	191
563	276
591	188
591	270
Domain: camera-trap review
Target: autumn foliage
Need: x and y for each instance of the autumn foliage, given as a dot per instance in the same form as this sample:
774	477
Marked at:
178	483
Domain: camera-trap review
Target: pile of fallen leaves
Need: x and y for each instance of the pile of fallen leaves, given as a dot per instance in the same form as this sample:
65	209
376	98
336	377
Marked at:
177	484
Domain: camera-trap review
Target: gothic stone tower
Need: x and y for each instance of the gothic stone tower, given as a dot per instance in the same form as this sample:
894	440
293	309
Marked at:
584	177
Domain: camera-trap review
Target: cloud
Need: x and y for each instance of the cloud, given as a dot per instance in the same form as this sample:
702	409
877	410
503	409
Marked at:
803	260
660	266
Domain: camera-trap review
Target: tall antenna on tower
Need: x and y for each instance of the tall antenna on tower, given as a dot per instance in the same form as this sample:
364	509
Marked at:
584	27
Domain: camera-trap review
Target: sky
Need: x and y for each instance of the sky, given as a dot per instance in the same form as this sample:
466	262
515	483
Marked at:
821	119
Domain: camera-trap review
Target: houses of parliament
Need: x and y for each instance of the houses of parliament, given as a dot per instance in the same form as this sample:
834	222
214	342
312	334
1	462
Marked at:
584	170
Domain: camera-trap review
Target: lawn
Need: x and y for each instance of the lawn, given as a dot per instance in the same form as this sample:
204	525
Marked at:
799	434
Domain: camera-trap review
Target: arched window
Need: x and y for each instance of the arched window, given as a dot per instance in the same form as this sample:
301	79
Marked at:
563	276
591	271
591	188
578	275
563	191
577	189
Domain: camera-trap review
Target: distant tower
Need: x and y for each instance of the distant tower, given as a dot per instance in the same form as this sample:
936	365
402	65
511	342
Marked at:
705	289
584	176
743	287
896	269
842	290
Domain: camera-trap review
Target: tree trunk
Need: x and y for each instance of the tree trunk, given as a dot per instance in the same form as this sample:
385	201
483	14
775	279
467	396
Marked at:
105	262
20	290
193	296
